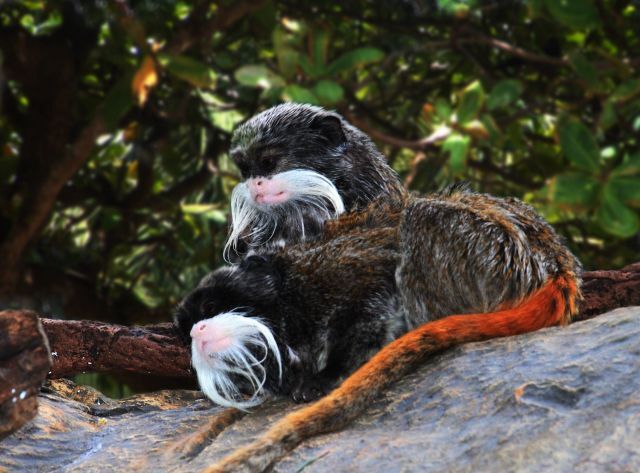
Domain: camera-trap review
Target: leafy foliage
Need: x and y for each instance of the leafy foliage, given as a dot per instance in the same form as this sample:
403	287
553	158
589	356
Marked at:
539	99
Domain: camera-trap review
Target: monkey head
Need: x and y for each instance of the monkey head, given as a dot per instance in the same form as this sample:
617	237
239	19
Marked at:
237	346
301	165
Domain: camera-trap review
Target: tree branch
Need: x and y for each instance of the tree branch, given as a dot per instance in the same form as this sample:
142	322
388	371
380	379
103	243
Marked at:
417	145
41	198
80	346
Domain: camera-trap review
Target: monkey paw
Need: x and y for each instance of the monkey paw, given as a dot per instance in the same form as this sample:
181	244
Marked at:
311	389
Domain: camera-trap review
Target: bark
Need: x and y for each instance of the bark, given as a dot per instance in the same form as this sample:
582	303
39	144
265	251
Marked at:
605	290
24	363
79	346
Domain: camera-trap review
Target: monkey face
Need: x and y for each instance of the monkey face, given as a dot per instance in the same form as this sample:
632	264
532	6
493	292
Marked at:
288	207
291	158
233	326
235	354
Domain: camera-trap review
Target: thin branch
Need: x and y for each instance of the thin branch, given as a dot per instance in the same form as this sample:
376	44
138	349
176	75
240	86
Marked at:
419	145
490	167
513	50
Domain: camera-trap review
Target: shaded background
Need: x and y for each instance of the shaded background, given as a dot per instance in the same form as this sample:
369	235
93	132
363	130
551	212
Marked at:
115	119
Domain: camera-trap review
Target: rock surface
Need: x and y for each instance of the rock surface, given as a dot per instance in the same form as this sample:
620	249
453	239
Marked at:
562	399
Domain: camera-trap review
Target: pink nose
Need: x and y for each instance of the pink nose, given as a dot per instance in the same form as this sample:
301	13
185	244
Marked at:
209	338
268	191
201	329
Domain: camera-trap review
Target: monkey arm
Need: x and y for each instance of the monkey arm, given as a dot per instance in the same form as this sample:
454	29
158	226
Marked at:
553	304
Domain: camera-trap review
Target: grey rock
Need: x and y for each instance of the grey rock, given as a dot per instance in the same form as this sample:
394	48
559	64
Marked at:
561	400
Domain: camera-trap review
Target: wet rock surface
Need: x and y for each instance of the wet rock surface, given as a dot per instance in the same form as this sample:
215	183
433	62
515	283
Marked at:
561	399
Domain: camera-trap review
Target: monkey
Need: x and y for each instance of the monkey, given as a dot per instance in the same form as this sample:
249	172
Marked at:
382	290
301	165
283	347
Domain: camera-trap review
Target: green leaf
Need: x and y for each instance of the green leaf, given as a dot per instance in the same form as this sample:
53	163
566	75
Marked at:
443	109
576	14
616	218
287	61
630	166
626	90
320	44
49	25
495	134
208	211
258	75
296	93
575	189
308	67
458	147
328	92
226	119
459	8
118	101
470	103
578	144
188	69
503	93
355	58
627	189
181	10
585	70
145	295
284	45
608	117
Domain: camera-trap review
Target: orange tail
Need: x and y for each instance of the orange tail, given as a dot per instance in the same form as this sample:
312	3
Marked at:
553	304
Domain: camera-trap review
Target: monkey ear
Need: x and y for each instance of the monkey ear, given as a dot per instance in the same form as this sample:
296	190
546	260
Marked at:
330	127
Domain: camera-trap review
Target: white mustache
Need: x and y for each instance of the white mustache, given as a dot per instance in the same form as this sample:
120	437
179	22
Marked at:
214	369
308	189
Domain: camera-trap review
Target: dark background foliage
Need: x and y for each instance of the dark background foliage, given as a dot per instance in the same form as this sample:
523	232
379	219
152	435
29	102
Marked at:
115	118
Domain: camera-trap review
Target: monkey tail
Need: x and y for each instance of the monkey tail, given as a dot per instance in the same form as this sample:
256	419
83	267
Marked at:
553	304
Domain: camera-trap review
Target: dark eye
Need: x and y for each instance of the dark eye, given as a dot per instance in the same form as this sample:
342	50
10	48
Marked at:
208	309
268	164
244	169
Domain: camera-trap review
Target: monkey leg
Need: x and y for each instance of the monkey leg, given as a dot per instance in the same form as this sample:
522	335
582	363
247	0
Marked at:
197	441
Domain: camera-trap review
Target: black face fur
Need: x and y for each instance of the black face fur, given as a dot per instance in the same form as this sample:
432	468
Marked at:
299	136
251	286
252	289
